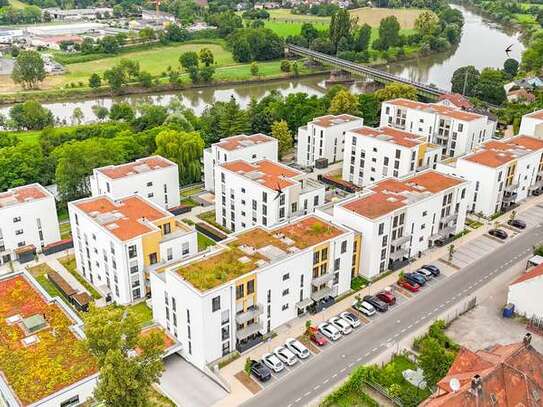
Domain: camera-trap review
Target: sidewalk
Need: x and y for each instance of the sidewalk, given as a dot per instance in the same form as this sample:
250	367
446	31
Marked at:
296	327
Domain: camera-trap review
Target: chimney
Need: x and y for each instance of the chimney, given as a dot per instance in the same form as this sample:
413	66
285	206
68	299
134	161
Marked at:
476	385
527	339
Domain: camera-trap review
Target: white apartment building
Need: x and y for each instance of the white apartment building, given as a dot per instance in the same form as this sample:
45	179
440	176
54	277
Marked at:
399	219
252	283
532	124
373	154
154	178
324	137
251	148
502	173
117	243
28	222
262	193
455	130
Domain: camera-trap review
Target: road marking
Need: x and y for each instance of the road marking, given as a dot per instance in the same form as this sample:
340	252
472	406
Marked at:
374	349
359	359
366	354
325	381
316	387
343	370
402	331
297	400
409	326
334	376
307	394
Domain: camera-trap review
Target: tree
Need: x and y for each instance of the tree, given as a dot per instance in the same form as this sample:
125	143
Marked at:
295	69
532	58
369	106
389	33
206	73
464	80
309	32
183	148
189	60
116	77
31	115
340	27
206	56
396	90
452	250
16	169
427	23
281	132
77	115
344	102
100	112
242	50
125	377
145	79
109	44
490	86
223	119
28	69
254	69
147	34
121	111
285	66
362	38
434	360
510	67
95	81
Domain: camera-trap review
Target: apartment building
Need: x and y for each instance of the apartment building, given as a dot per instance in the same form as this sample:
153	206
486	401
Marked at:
532	124
398	219
455	130
262	193
28	222
324	137
154	178
373	154
251	148
117	243
251	284
503	173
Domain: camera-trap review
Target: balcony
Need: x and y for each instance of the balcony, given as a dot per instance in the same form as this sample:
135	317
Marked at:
399	254
318	281
447	231
511	188
251	313
400	241
536	185
249	330
320	294
449	218
509	197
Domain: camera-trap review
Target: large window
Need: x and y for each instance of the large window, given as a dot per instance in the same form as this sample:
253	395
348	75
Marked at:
216	304
132	251
239	291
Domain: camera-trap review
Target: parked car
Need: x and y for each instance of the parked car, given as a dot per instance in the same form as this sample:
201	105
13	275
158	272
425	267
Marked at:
387	296
286	356
321	304
330	331
409	286
351	319
297	347
316	337
343	326
537	192
364	307
416	278
260	371
433	269
499	233
427	274
273	362
379	305
517	223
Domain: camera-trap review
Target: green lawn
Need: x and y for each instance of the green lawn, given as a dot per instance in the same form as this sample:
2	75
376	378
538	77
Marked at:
204	242
191	191
30	136
209	217
69	264
39	272
65	230
284	28
284	14
142	313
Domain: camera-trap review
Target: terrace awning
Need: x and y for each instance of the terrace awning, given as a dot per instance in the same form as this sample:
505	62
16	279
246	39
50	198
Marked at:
318	281
304	303
319	295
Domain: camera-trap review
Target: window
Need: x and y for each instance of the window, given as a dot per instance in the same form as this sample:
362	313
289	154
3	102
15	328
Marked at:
188	317
132	251
337	264
167	228
251	287
149	184
16	219
216	304
381	228
285	292
153	258
169	254
19	232
286	277
343	246
242	190
240	291
316	200
150	195
185	248
284	307
71	402
225	333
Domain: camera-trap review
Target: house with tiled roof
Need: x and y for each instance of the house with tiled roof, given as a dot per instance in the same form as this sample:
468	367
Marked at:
399	219
262	193
455	130
455	100
323	138
532	124
500	376
28	222
372	154
525	293
250	148
118	241
503	172
155	178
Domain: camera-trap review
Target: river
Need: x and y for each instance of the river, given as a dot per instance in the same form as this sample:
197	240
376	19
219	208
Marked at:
483	44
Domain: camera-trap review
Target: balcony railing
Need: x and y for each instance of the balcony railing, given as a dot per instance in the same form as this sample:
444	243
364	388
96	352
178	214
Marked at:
249	330
251	313
322	293
511	188
449	218
318	281
399	254
400	241
509	197
536	185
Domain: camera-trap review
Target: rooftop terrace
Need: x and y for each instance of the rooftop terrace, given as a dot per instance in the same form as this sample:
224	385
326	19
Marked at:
243	141
495	153
265	172
21	195
453	113
137	167
331	120
39	363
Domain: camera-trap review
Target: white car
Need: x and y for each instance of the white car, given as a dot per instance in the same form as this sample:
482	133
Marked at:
426	273
285	355
343	326
330	331
296	347
364	307
273	362
350	318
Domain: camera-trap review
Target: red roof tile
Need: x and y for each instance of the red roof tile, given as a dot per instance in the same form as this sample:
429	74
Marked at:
435	108
390	135
331	120
140	166
457	99
242	141
22	194
533	273
267	173
495	153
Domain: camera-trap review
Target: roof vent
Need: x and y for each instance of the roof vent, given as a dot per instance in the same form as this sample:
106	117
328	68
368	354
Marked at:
30	340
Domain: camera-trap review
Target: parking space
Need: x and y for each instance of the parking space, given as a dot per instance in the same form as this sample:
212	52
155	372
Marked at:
476	249
532	216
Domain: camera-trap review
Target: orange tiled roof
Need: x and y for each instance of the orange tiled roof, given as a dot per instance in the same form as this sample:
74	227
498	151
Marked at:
391	135
457	99
267	173
242	141
511	375
137	167
535	272
125	218
22	194
435	108
331	120
495	153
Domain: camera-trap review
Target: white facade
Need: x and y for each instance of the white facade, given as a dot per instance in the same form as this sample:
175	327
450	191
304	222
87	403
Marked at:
525	293
248	148
154	178
455	130
324	137
117	242
262	193
374	154
502	173
532	124
28	216
285	273
399	219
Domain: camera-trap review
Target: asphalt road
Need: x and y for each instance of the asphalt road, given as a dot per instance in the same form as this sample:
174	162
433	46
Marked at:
328	368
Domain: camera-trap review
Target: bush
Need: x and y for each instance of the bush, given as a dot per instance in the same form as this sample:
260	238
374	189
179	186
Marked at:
358	283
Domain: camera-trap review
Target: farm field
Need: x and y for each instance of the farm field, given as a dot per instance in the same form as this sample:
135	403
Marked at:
373	16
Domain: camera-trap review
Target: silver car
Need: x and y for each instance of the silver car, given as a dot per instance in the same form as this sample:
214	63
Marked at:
330	331
273	362
296	347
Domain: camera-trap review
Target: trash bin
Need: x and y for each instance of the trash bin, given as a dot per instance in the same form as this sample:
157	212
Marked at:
509	310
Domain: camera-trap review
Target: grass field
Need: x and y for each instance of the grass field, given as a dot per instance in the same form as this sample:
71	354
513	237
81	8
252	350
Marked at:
69	264
204	242
373	16
286	28
284	14
17	4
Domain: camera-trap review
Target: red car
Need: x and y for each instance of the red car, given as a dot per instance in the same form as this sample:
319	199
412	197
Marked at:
387	296
316	337
409	286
